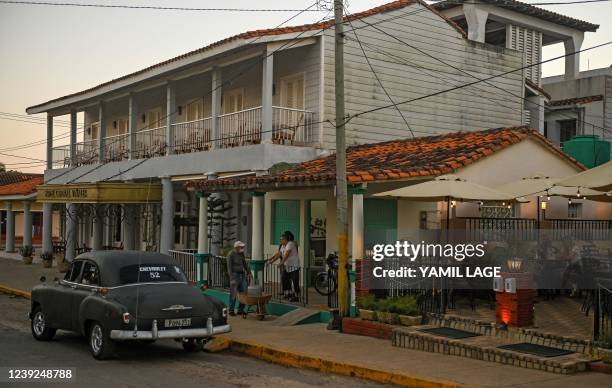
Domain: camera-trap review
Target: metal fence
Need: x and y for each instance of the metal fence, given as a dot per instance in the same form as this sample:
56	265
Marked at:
185	258
285	284
602	322
489	228
581	229
217	272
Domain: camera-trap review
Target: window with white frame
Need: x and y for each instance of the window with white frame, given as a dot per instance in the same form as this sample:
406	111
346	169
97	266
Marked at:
292	91
194	110
154	118
233	100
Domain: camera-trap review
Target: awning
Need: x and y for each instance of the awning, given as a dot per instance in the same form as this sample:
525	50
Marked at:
114	193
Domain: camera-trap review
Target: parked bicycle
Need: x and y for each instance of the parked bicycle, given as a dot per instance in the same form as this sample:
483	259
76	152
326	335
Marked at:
326	282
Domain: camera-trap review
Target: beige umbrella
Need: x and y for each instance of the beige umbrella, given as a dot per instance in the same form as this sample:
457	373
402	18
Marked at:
445	188
598	178
543	185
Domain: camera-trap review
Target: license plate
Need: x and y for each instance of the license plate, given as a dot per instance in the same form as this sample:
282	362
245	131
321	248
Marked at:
177	322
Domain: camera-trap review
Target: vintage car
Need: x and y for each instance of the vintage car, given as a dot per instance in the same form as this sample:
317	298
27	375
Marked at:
111	296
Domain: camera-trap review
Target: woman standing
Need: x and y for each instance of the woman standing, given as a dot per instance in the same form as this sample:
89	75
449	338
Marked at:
290	266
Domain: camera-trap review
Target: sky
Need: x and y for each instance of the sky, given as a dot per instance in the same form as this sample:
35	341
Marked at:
48	52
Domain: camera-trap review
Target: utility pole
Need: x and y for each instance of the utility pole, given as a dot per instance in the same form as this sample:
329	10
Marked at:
341	189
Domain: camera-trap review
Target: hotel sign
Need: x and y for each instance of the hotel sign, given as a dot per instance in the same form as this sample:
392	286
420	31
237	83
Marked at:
100	193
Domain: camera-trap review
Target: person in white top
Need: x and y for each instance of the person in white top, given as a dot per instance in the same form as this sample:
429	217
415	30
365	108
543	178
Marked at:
290	266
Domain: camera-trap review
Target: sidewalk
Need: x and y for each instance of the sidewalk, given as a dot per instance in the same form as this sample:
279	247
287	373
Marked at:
300	345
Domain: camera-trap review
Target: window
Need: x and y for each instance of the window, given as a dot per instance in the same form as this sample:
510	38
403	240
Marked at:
285	216
194	110
574	210
567	130
75	271
145	273
154	118
292	92
233	101
91	276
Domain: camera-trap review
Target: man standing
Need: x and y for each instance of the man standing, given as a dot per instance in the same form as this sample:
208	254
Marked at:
238	273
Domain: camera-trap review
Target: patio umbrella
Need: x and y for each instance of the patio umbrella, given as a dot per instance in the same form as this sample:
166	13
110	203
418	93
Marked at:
445	188
543	185
598	178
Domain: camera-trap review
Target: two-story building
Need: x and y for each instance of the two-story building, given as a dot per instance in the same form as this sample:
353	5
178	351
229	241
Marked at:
241	106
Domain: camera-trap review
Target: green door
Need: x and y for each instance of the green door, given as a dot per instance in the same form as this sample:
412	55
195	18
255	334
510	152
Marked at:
285	216
380	221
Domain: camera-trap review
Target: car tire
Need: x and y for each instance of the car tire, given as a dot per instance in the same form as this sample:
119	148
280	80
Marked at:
100	344
40	329
191	345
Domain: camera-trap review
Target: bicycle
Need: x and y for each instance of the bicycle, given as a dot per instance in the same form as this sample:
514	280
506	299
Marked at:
326	282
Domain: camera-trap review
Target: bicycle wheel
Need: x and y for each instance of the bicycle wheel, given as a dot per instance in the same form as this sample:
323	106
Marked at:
321	283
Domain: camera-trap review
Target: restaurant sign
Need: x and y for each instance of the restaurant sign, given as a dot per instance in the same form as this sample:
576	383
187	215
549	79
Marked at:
99	193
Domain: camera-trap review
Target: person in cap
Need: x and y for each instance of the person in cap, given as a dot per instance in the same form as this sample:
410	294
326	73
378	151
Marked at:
238	272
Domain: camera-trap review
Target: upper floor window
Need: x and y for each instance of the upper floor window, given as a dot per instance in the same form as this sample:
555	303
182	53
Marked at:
233	100
574	210
154	118
194	110
292	91
567	130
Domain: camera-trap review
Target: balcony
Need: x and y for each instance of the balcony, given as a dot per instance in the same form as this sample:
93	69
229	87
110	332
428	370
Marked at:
289	126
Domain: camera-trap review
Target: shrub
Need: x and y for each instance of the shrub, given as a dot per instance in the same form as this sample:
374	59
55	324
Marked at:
405	305
26	251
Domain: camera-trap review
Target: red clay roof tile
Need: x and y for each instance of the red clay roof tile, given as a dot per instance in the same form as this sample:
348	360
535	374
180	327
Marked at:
22	188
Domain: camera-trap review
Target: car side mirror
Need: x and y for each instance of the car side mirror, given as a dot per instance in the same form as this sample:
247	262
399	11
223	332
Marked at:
43	279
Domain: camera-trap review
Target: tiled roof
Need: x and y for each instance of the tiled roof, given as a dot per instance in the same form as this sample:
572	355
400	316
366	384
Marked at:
576	100
393	160
538	88
22	188
529	10
268	32
8	177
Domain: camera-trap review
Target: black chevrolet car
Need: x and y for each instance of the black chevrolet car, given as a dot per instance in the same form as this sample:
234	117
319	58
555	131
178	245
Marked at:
111	296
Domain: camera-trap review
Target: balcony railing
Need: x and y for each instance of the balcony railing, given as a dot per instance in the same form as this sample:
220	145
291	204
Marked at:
289	126
192	136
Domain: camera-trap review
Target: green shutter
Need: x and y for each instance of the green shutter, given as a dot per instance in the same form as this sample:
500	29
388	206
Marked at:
380	221
285	216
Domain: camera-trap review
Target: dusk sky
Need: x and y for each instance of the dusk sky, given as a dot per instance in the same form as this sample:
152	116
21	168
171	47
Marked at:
47	52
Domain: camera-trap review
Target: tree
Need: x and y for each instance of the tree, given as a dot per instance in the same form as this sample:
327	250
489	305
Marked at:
2	167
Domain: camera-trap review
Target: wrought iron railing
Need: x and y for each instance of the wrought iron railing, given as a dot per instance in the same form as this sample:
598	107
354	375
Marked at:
581	229
285	284
217	272
186	259
116	147
492	228
150	143
240	128
192	136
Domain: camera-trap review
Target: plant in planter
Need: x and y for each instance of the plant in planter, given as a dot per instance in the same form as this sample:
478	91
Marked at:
26	252
396	310
604	347
47	259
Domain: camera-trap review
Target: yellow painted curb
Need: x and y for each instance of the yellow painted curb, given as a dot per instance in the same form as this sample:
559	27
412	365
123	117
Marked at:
15	291
302	361
217	344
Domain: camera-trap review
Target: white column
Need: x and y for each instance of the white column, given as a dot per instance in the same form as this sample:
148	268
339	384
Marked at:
476	18
71	231
266	97
203	224
101	131
27	224
47	228
170	116
217	90
128	228
167	220
108	234
10	228
572	62
133	125
257	250
73	137
49	141
98	229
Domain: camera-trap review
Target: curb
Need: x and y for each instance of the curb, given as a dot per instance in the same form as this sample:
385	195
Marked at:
14	291
303	361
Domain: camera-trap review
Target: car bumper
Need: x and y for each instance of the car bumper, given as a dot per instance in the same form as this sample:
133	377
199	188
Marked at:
154	333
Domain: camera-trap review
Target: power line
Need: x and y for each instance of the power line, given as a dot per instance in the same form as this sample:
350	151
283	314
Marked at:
154	7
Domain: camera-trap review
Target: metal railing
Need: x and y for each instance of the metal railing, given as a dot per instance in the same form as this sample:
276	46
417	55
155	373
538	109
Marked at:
86	152
61	156
150	143
186	259
581	229
485	227
285	284
602	321
192	136
292	126
240	128
116	147
217	272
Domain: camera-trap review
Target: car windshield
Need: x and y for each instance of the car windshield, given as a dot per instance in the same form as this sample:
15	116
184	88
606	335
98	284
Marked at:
146	273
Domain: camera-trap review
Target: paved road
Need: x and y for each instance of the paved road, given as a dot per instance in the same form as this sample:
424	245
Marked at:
159	365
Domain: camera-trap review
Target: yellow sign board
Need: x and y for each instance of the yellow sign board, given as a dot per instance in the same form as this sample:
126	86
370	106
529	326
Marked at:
100	193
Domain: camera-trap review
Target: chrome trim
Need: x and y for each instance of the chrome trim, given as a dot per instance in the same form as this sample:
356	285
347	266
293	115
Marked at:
177	307
209	331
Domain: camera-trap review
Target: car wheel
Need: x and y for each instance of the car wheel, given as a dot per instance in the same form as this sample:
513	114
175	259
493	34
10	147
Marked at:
102	347
191	345
40	330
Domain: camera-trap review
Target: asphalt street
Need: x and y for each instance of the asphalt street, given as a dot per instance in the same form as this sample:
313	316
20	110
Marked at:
163	364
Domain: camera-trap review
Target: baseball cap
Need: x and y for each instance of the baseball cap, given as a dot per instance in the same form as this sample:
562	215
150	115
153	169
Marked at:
238	244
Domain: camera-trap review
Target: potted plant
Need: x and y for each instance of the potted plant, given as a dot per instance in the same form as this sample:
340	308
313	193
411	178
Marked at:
27	251
47	259
604	347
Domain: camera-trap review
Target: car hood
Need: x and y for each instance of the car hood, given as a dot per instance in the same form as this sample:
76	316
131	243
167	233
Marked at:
165	300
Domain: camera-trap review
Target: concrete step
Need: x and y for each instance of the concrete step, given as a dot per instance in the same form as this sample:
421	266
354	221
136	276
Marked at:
295	317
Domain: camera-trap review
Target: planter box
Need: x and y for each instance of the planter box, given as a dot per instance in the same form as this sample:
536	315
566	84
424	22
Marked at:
27	260
367	328
386	317
410	320
367	315
605	355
